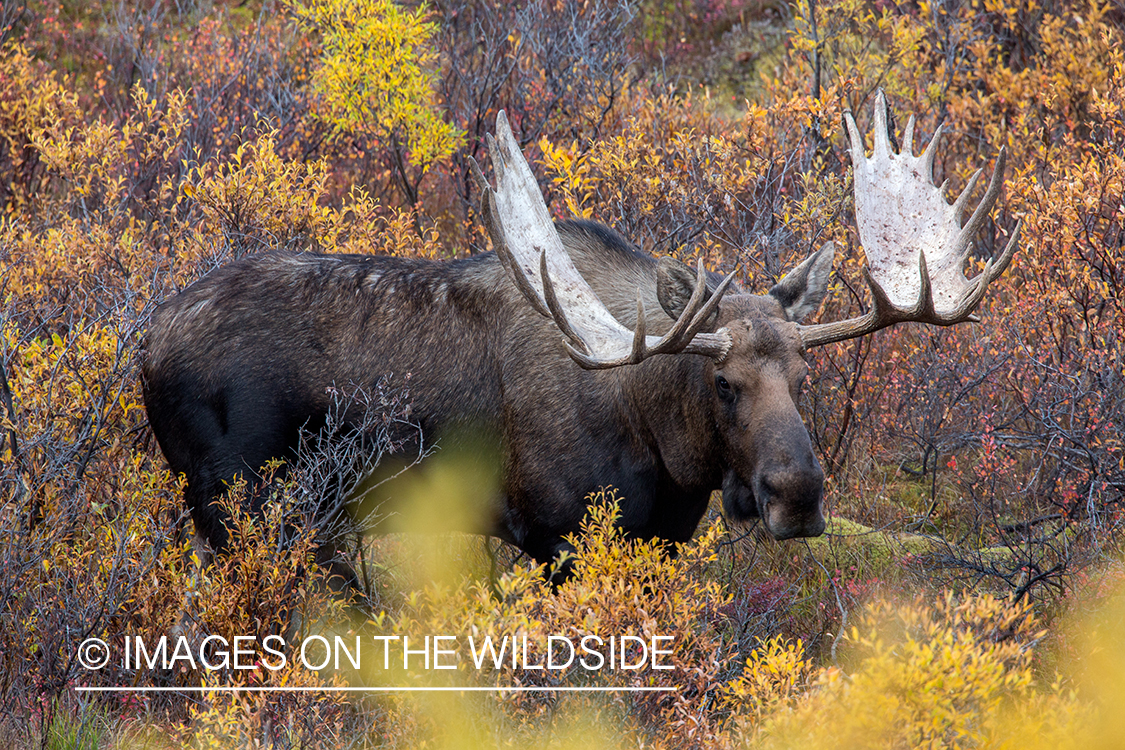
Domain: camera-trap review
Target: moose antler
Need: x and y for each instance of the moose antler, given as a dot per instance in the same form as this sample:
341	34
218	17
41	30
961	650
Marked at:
915	245
529	246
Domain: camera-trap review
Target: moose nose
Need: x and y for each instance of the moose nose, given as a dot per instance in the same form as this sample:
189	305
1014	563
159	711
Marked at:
790	501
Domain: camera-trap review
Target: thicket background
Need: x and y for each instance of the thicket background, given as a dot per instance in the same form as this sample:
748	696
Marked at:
978	469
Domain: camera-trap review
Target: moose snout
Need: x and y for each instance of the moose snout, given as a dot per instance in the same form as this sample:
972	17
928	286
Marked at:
790	501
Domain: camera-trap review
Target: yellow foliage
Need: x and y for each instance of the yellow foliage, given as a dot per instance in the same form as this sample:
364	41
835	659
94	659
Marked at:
260	195
617	586
97	159
31	100
857	42
260	199
363	226
571	170
69	391
921	675
265	584
92	239
776	675
376	74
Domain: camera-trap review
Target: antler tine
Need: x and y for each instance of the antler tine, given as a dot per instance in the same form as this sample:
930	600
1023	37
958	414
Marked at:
523	283
974	294
684	321
963	198
1009	251
855	142
992	270
925	306
478	176
882	141
990	196
931	152
484	207
905	223
707	310
881	302
494	149
585	361
639	334
908	137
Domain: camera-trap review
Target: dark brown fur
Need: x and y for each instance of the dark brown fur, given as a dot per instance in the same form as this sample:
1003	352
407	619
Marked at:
242	359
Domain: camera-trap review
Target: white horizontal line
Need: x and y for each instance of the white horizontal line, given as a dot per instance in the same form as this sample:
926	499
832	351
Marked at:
329	689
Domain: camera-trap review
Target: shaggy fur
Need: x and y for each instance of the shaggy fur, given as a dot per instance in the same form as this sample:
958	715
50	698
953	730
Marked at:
240	361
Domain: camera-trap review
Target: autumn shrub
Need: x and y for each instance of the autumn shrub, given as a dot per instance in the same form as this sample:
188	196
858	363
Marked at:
974	671
91	521
559	70
618	586
954	673
375	81
142	144
265	585
32	98
669	31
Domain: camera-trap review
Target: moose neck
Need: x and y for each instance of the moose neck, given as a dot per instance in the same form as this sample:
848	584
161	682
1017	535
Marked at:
671	404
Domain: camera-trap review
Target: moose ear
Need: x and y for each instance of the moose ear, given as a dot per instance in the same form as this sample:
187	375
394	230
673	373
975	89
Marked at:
675	281
802	290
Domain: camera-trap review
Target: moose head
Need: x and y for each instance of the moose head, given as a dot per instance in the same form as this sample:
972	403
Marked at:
916	248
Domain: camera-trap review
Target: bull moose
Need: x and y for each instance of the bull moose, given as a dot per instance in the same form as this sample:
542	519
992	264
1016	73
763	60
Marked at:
585	361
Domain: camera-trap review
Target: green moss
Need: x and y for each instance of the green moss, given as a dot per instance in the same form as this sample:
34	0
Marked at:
864	550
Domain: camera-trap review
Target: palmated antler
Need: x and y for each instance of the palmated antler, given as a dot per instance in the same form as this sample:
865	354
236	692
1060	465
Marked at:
529	246
915	245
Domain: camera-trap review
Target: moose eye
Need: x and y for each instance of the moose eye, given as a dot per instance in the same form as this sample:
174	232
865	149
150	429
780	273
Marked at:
722	386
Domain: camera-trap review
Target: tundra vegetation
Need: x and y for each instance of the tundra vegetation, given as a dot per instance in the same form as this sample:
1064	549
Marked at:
968	590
